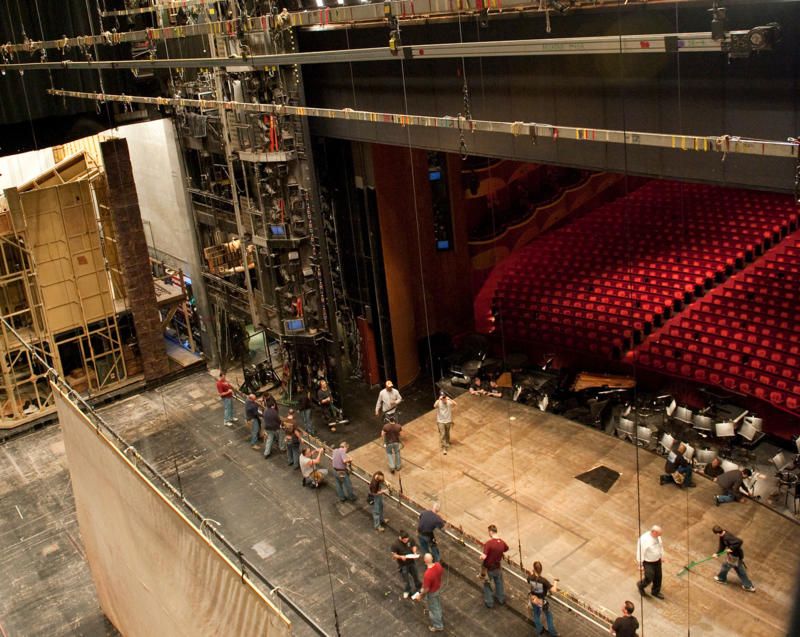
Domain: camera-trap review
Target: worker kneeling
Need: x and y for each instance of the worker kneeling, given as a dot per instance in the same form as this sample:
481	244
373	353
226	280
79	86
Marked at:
313	474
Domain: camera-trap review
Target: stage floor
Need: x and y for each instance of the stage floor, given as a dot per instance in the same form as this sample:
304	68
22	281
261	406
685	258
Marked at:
514	466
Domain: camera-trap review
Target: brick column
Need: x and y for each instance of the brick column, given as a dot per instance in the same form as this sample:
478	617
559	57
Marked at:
134	258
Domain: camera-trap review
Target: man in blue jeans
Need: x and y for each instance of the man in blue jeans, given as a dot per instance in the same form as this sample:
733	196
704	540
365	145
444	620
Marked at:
251	409
731	547
431	584
730	482
225	391
391	439
272	425
429	521
492	569
341	471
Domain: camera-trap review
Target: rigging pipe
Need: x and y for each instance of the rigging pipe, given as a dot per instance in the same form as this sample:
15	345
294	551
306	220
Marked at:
701	42
725	144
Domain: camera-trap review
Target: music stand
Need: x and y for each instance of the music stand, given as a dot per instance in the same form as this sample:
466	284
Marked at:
705	456
781	461
626	427
684	415
748	431
724	429
727	465
643	436
666	442
702	423
689	453
755	422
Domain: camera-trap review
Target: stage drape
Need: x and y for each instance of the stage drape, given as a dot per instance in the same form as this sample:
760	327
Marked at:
155	573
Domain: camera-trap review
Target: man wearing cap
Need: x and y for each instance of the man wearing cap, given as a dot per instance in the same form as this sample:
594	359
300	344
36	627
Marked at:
387	403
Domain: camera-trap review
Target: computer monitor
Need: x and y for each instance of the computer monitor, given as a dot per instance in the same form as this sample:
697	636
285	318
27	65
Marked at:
294	325
724	429
278	230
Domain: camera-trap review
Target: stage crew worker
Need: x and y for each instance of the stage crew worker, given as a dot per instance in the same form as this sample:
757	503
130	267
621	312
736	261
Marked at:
730	482
342	463
627	625
678	469
714	469
253	416
391	441
541	588
731	547
649	553
444	419
429	521
431	583
388	399
406	553
492	568
225	391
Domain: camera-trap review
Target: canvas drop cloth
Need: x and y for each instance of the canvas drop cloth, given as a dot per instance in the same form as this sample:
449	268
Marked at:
155	573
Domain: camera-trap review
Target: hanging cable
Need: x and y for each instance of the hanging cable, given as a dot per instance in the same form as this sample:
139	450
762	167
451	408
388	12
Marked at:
501	328
328	565
43	51
22	74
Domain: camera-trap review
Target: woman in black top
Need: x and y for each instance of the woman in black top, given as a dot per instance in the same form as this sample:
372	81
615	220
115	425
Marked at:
377	489
540	590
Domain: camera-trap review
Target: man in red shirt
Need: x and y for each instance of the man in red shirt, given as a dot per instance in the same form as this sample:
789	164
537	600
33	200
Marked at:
492	570
225	391
431	583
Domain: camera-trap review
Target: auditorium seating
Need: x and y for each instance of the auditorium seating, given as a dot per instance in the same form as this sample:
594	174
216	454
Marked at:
744	336
606	281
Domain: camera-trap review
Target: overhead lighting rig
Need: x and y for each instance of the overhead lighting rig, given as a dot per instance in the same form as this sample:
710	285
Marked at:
742	44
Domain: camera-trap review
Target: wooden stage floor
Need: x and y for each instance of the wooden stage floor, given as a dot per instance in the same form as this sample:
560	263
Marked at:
587	537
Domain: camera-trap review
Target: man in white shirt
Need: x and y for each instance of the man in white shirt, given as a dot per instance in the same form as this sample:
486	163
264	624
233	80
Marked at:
388	400
649	553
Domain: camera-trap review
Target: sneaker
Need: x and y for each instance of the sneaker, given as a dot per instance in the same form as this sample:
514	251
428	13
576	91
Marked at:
717	579
642	592
405	595
379	528
749	589
444	452
228	423
435	630
659	595
235	419
255	446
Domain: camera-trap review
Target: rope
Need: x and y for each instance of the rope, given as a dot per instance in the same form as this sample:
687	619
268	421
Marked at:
501	328
21	75
328	565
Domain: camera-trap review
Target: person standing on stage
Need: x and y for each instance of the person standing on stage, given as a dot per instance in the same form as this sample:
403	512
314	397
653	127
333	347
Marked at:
293	439
731	546
492	569
431	584
402	549
341	472
391	441
325	399
272	427
730	482
225	391
649	553
254	418
444	419
378	489
304	404
429	521
388	399
541	588
627	625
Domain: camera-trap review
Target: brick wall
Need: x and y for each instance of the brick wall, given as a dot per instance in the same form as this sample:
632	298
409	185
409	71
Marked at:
134	258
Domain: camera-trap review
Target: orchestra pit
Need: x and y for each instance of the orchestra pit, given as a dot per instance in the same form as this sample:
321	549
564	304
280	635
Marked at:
356	318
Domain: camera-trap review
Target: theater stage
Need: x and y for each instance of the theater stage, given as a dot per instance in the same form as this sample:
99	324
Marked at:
587	537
